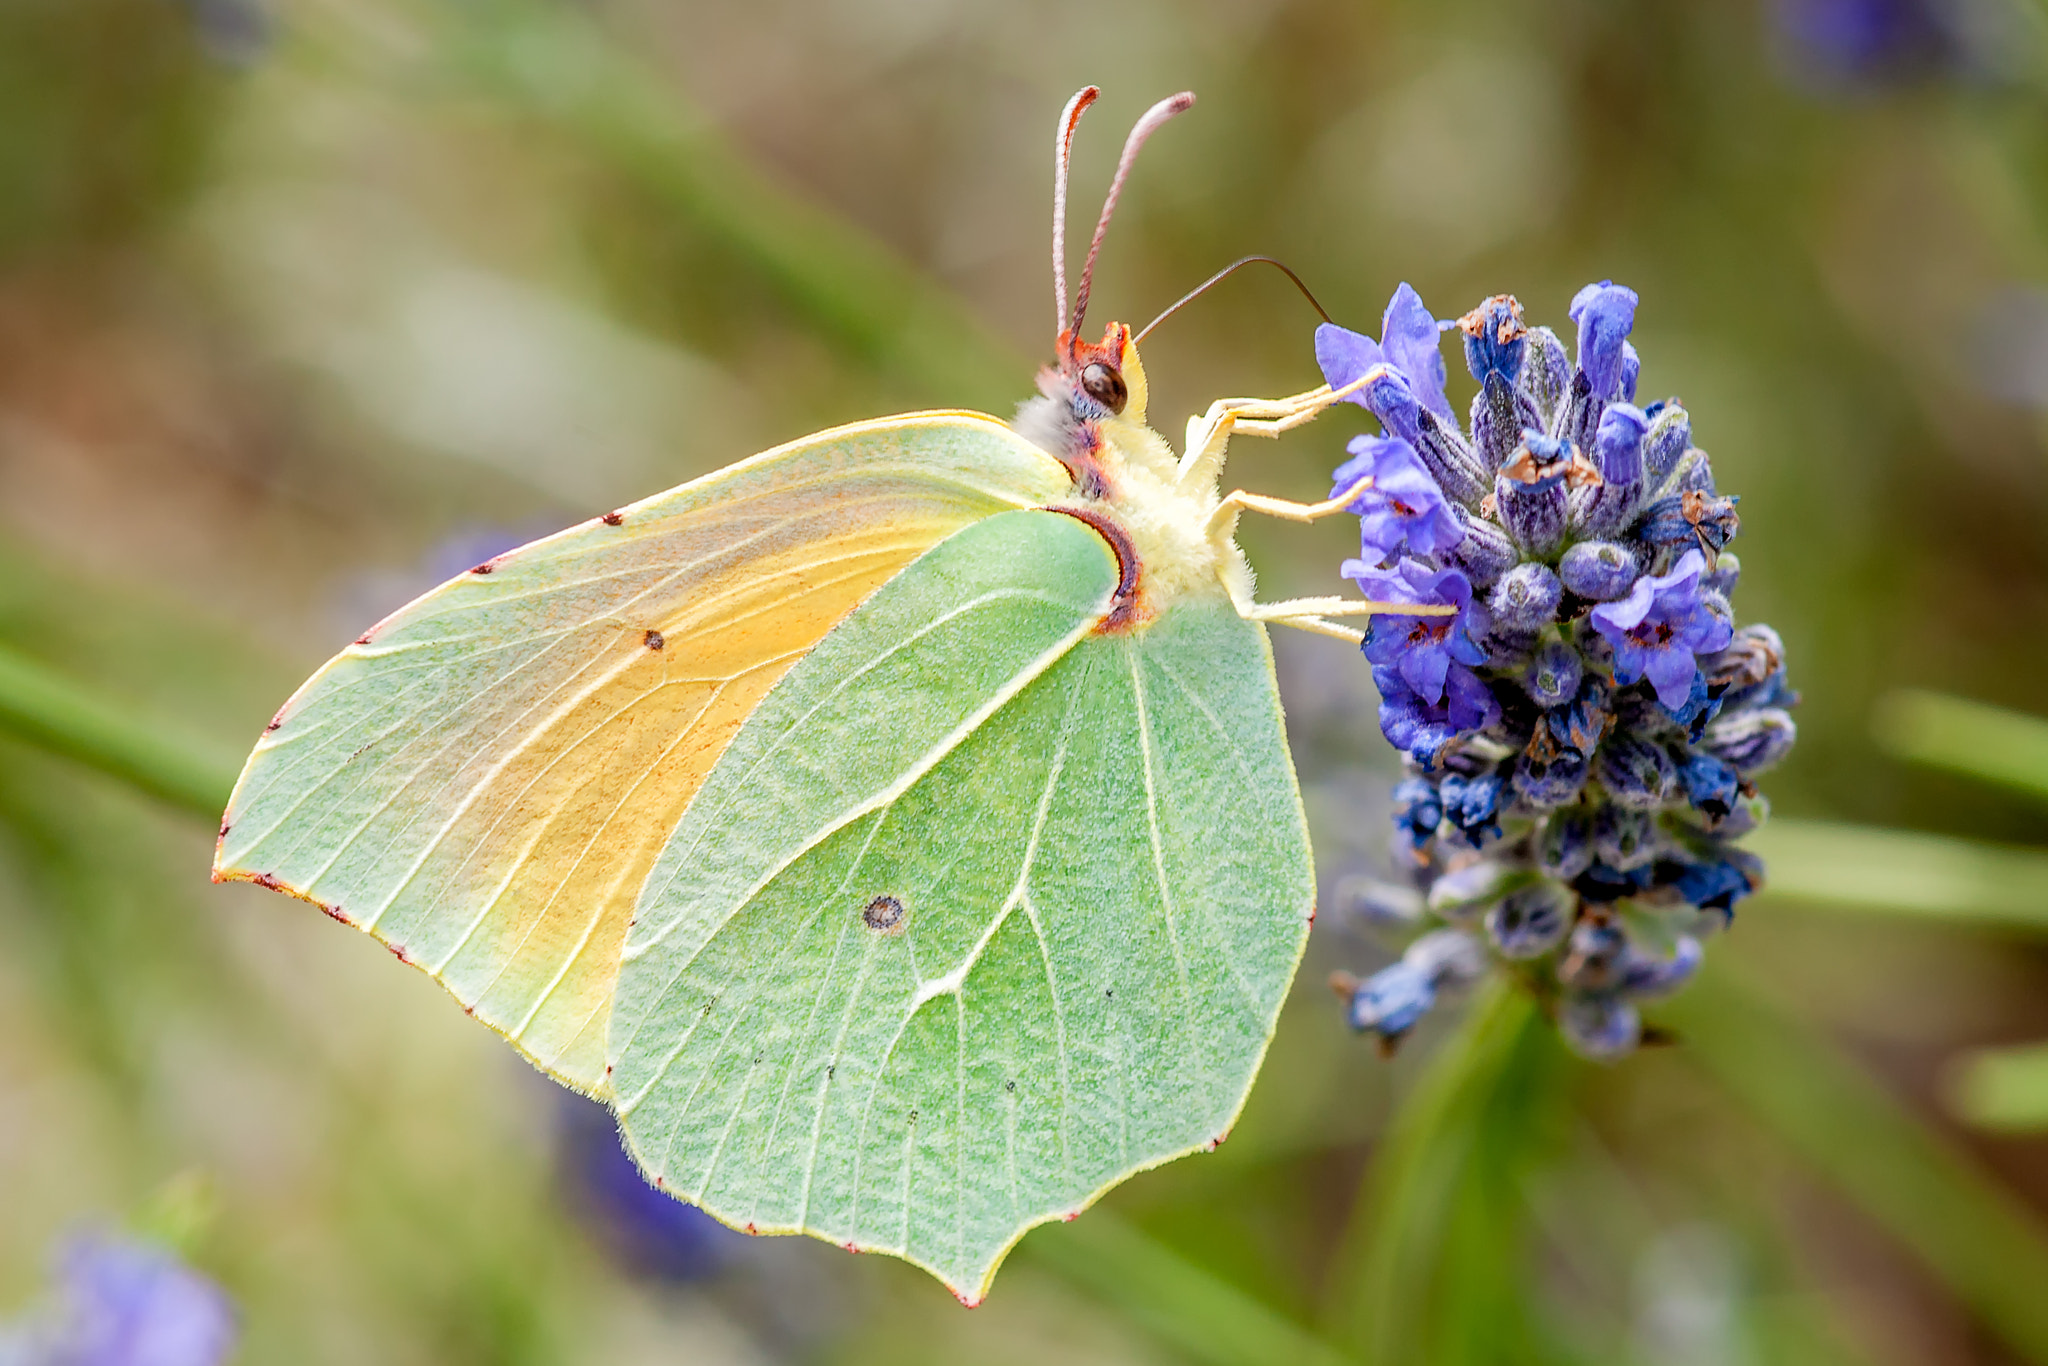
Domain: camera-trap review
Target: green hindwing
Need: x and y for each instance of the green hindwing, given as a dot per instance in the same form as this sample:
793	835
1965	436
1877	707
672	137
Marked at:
981	913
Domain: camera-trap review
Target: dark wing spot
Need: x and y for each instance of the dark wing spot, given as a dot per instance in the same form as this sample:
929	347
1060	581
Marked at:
1009	1086
486	567
613	518
654	640
884	913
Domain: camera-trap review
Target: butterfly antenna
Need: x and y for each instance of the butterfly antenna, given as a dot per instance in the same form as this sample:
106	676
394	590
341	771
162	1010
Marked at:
1062	155
1143	129
1218	278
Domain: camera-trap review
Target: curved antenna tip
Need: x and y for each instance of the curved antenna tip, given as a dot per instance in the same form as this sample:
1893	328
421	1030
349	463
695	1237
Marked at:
1062	155
1148	123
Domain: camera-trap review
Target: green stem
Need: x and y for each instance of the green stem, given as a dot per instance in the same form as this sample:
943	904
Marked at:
1432	1265
47	710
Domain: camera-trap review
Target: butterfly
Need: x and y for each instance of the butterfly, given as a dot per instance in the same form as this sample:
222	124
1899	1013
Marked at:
896	828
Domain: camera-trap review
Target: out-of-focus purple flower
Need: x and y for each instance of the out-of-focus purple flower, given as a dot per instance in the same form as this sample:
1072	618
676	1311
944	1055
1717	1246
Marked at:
1393	1000
650	1232
1404	510
1409	341
126	1303
1417	808
1605	313
1718	883
1710	784
1422	649
1532	920
1659	628
1840	45
232	32
1473	803
1600	1027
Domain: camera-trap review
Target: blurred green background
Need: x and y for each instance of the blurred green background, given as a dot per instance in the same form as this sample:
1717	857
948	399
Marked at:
302	302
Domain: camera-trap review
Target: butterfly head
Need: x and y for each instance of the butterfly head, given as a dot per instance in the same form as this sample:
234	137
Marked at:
1094	390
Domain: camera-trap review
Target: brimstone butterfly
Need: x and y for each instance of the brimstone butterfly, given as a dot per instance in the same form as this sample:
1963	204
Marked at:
897	827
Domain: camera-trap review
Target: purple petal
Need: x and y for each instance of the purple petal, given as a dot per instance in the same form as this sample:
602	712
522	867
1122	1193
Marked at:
1670	672
1424	670
1345	356
1615	619
1470	701
1410	339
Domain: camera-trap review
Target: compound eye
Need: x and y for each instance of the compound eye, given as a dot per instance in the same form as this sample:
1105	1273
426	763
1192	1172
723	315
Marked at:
1105	386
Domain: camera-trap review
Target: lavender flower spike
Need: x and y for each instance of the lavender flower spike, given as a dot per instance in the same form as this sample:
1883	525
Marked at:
1660	626
1582	732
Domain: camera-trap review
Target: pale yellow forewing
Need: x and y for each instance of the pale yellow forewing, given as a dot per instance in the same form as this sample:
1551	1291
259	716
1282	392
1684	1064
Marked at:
483	780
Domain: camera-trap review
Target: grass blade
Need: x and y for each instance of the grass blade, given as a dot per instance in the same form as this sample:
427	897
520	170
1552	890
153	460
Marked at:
1975	739
1944	1209
553	63
2003	1088
1196	1312
1905	872
53	713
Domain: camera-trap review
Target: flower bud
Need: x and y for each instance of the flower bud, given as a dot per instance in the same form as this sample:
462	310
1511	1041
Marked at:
1644	975
1373	902
1473	803
1467	890
1484	552
1391	1001
1546	374
1751	740
1526	598
1593	959
1625	838
1602	1028
1617	450
1552	782
1552	676
1532	921
1669	438
1600	571
1564	847
1710	783
1636	772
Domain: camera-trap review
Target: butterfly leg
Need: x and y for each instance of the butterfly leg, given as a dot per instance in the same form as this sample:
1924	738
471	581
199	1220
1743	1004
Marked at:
1307	614
1209	435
